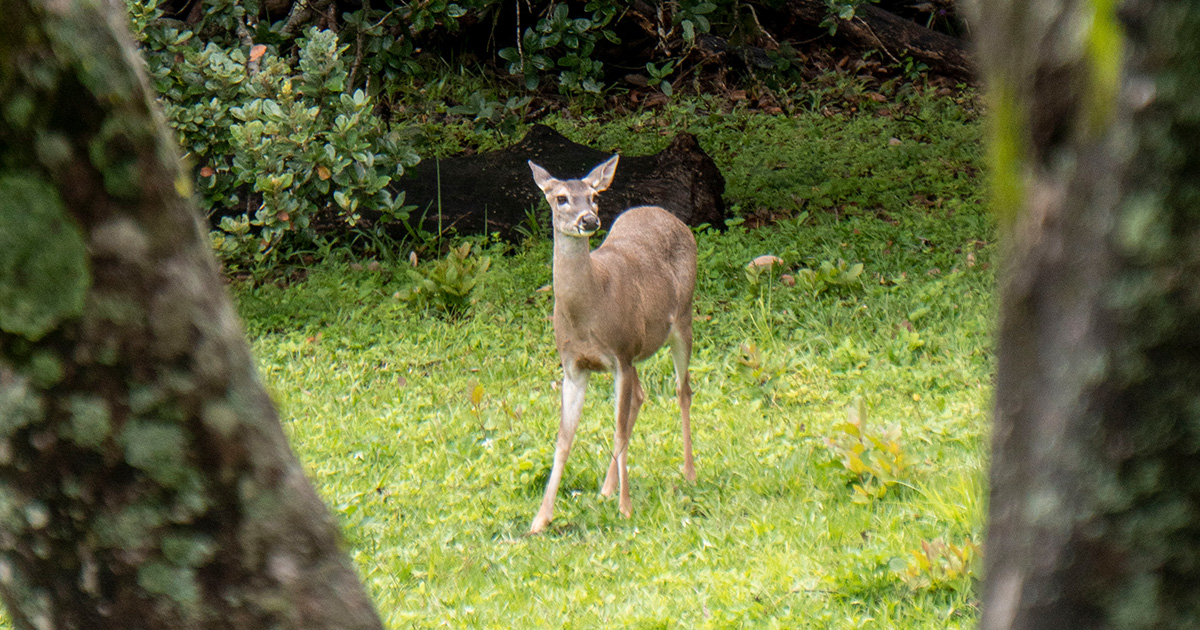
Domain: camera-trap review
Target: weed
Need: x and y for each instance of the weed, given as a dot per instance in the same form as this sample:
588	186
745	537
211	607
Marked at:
447	284
658	75
758	372
939	565
828	275
875	460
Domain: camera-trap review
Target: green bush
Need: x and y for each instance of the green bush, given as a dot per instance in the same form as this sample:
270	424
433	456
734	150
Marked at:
277	147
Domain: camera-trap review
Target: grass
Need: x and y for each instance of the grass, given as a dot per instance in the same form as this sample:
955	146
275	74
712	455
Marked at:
431	438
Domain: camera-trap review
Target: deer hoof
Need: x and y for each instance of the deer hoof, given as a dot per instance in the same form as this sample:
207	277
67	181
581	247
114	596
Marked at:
609	486
689	473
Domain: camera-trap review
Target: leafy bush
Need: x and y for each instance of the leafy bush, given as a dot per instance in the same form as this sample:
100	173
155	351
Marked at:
277	147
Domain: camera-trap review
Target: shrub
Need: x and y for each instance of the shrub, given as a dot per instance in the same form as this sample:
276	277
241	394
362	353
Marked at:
277	147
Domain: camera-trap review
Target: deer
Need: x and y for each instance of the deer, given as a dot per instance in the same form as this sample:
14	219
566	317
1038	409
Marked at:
615	306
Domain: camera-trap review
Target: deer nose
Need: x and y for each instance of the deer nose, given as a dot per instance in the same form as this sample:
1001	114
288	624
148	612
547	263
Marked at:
589	223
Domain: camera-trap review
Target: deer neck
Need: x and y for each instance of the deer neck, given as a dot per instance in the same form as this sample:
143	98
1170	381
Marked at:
576	278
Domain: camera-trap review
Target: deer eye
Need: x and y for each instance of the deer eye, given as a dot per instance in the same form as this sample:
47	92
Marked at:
562	200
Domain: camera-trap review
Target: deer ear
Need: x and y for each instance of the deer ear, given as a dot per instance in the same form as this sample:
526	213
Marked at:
601	177
541	176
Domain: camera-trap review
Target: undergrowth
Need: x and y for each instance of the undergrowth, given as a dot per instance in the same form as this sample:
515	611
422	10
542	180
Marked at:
432	436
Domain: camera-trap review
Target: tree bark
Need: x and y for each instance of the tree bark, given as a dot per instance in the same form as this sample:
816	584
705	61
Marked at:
145	481
1095	485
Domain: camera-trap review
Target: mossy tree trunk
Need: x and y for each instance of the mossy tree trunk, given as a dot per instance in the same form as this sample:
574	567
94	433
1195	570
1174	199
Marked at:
145	481
1095	486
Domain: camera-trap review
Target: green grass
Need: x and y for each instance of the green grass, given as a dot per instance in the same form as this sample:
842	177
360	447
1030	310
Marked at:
435	489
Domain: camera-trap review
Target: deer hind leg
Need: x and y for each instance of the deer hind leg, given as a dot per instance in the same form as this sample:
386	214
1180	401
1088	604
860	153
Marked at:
681	354
573	389
629	401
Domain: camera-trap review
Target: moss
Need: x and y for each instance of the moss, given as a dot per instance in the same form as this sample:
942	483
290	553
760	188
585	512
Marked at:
143	399
123	239
19	110
37	516
112	154
103	306
53	149
43	262
45	369
158	449
188	550
1143	227
29	604
91	421
192	500
173	582
129	528
11	519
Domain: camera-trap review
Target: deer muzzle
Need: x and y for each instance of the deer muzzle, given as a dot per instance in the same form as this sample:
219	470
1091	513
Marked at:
588	224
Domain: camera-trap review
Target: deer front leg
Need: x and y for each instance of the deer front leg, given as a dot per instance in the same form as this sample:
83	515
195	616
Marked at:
681	353
573	389
629	401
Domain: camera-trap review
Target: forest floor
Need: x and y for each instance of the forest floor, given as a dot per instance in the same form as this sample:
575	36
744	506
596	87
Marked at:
840	414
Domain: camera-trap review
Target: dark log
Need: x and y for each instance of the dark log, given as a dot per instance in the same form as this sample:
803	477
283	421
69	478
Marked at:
494	192
873	27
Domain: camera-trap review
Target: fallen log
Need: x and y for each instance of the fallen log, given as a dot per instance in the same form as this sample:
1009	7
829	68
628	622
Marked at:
494	192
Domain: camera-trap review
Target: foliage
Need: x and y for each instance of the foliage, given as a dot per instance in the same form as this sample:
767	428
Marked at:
841	10
564	44
828	275
876	460
293	132
276	149
559	41
488	112
447	283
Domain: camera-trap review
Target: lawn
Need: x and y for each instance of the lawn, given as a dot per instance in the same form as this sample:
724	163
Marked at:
840	421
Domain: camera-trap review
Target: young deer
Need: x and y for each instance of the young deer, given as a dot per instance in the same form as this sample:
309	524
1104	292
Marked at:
613	307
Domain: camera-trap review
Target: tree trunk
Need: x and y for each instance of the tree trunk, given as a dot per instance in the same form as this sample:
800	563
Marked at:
1095	485
145	481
